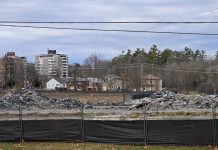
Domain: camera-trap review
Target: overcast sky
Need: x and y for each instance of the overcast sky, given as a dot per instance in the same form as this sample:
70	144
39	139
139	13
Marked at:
80	44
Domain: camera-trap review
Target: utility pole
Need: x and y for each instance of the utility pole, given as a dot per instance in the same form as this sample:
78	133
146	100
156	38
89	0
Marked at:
141	75
25	74
152	72
210	77
24	61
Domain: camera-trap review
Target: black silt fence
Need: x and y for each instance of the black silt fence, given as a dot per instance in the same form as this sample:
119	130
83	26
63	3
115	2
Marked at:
176	132
51	130
9	131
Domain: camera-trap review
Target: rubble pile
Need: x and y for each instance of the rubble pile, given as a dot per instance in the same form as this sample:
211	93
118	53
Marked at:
30	100
205	101
164	100
108	104
168	100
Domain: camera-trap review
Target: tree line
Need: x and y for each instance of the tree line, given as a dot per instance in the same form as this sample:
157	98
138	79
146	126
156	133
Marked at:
183	71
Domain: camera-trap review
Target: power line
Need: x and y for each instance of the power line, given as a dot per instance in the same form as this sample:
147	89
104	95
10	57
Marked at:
155	67
109	30
158	68
110	22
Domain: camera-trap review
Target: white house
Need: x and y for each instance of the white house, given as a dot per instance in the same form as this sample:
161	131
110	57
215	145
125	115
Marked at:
55	83
112	83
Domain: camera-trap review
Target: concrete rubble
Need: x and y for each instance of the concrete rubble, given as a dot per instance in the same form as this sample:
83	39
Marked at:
30	100
168	100
206	101
164	100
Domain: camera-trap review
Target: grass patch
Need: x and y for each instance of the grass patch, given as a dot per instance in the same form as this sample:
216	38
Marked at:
95	114
135	115
180	113
87	146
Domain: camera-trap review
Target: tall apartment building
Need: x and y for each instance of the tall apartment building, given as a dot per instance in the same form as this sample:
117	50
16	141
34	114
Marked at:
52	64
13	73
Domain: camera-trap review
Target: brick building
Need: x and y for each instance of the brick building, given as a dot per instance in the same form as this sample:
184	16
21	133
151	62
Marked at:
152	83
14	70
2	74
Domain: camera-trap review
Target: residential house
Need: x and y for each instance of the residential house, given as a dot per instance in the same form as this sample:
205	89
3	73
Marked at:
112	83
84	84
94	85
80	84
56	83
152	83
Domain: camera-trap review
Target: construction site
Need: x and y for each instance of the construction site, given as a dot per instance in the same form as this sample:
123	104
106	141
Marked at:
124	118
121	106
131	94
139	104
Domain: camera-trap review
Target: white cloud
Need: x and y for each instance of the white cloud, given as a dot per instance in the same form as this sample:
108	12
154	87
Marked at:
82	43
213	13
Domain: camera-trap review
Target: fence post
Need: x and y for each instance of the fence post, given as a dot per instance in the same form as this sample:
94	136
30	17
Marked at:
21	123
82	122
145	127
124	98
214	126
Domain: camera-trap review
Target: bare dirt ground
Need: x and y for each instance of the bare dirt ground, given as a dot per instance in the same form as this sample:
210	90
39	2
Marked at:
106	114
94	97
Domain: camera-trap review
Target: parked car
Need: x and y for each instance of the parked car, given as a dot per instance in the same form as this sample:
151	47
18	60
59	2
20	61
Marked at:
123	91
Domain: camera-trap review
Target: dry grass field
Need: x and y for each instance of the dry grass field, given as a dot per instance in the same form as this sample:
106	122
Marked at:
88	146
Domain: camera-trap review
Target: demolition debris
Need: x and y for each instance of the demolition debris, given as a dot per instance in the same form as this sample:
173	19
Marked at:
30	100
168	100
164	100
